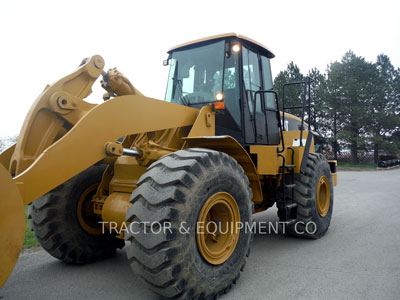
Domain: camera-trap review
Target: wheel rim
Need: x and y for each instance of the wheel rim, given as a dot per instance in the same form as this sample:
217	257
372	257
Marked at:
217	233
86	217
323	196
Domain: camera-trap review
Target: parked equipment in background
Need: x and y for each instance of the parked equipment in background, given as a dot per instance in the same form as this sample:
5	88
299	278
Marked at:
388	163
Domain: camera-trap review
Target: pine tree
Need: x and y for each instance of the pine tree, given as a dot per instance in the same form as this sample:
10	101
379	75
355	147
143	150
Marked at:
292	93
350	83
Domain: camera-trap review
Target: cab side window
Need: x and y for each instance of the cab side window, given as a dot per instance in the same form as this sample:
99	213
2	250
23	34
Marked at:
251	77
267	81
231	87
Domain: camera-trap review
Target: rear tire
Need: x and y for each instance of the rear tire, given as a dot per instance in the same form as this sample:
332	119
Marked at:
305	195
173	191
54	219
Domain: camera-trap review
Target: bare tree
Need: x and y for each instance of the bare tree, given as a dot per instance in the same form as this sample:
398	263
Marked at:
6	142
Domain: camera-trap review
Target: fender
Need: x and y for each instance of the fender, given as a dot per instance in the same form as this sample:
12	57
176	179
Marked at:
232	147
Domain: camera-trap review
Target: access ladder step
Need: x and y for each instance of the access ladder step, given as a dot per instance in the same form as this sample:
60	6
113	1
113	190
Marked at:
290	166
288	206
291	205
290	221
290	186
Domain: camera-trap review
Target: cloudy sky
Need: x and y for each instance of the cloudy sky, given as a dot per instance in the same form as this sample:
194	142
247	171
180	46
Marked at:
42	41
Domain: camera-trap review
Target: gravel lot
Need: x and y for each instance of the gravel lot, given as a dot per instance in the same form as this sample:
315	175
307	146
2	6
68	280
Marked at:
359	257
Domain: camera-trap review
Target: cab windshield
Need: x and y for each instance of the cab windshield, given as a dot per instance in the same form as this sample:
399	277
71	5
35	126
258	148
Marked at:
195	75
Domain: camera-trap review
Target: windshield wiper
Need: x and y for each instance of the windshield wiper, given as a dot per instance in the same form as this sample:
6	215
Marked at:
181	97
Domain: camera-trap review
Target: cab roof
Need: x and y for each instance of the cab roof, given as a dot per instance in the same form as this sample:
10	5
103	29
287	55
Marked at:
263	49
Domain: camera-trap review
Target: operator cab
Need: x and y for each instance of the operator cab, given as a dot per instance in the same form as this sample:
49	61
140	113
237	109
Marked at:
233	69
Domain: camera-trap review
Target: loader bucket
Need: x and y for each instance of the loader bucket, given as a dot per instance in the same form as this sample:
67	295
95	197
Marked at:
12	224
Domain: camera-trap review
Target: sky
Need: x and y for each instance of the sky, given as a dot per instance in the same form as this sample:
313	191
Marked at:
42	41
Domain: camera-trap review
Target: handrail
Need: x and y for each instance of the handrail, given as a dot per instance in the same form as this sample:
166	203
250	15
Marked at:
294	107
306	83
302	114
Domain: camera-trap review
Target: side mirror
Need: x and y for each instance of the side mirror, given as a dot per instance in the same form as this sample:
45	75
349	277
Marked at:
165	62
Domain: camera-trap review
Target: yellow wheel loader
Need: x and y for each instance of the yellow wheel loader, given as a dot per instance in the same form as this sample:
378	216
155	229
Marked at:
177	181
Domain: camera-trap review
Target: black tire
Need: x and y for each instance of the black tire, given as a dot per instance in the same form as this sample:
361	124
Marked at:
55	222
174	189
306	199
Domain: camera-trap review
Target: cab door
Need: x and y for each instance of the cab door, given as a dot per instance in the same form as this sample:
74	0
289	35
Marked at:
271	114
256	129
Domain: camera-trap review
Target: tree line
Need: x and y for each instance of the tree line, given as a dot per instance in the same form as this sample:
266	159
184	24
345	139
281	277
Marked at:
356	104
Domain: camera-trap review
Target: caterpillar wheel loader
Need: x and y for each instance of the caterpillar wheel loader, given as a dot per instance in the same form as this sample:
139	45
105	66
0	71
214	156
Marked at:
153	175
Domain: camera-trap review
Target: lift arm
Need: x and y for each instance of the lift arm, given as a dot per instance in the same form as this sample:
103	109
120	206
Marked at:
63	135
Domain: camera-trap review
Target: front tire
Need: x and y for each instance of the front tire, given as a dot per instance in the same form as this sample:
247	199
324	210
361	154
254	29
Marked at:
58	224
181	189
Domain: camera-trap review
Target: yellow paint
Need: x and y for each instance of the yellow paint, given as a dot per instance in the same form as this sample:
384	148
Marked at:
290	116
5	156
126	174
334	179
204	124
86	216
58	107
323	196
268	161
291	135
12	224
115	208
216	247
84	144
267	156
